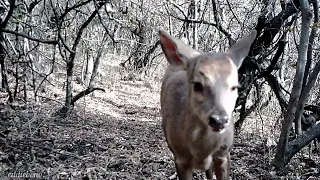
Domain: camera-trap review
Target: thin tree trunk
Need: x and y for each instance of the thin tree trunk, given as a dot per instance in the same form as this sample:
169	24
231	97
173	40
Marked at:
89	69
4	84
307	86
97	60
306	92
25	89
194	15
70	63
279	161
311	40
4	23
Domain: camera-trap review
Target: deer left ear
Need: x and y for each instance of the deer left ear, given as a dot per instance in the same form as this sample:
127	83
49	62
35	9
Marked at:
240	49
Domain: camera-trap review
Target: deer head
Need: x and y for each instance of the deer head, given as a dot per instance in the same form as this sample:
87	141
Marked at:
212	77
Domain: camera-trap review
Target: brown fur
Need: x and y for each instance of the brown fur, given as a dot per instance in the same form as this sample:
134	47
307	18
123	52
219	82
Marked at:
186	111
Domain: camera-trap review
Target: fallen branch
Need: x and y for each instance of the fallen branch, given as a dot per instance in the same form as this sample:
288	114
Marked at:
301	141
83	93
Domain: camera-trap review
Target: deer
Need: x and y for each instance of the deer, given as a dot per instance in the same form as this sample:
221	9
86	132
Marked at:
197	98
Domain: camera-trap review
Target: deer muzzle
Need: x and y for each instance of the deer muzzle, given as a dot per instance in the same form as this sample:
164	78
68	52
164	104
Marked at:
217	123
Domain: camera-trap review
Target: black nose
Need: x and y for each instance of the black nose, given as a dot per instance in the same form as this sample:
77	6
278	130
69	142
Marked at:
217	121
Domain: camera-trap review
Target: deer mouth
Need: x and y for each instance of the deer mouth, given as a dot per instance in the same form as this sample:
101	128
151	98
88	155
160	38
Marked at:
216	128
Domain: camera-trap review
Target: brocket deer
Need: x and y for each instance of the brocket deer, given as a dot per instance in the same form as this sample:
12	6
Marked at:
198	96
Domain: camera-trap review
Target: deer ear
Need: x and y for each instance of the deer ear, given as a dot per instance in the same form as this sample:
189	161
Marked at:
240	49
175	51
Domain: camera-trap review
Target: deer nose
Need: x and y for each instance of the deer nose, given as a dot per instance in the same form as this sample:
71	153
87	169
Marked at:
216	121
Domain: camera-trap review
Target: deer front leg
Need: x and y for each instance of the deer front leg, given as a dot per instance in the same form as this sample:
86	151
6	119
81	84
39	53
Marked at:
222	167
209	172
184	171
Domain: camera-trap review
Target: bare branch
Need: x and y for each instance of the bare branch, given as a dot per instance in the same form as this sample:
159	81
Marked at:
50	72
64	43
83	26
106	29
223	31
178	7
272	66
33	5
73	7
233	13
29	37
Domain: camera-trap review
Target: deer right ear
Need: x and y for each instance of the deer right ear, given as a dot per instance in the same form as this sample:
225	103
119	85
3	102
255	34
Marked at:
175	51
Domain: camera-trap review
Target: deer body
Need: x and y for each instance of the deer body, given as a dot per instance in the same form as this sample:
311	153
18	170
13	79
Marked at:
198	95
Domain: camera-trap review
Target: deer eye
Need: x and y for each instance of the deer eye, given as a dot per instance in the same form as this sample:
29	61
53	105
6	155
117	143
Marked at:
233	88
197	87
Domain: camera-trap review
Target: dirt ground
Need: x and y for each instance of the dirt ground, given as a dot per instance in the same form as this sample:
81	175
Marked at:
117	135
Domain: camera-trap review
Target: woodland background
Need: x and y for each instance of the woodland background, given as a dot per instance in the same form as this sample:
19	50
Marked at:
80	82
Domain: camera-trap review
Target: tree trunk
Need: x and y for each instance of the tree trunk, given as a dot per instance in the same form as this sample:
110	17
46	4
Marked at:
97	60
307	86
311	40
279	161
69	103
306	92
194	15
4	80
4	22
69	90
89	70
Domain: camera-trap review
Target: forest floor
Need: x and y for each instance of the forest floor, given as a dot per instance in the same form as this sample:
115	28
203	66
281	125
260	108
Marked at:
117	135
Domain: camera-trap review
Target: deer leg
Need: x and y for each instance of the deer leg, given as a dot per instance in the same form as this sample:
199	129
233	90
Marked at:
184	171
209	172
222	167
228	165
